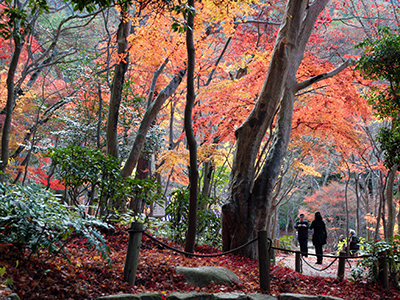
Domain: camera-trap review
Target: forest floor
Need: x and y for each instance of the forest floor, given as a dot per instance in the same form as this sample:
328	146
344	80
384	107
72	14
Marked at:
87	276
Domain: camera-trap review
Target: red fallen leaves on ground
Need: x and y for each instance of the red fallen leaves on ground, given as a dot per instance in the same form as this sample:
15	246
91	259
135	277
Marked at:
88	277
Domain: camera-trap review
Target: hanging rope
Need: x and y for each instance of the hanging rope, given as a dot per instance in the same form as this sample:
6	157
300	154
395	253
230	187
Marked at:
192	254
328	256
320	270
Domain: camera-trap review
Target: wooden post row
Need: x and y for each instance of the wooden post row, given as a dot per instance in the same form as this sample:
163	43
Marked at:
264	261
132	254
342	265
298	262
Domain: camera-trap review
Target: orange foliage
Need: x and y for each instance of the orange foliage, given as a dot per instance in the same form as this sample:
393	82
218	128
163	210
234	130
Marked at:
330	201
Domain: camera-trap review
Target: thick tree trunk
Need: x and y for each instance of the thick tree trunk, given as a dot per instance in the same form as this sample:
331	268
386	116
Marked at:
247	208
117	86
192	145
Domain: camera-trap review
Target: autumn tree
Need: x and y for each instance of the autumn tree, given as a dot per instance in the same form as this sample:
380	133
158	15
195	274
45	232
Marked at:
380	62
21	25
249	203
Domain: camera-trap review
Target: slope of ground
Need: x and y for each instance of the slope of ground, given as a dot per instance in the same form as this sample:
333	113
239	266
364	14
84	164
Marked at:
86	276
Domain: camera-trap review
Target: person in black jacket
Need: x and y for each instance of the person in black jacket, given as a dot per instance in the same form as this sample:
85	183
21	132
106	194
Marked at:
302	234
319	236
353	241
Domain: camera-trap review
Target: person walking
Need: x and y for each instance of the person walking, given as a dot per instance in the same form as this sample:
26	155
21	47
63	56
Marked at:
302	234
319	236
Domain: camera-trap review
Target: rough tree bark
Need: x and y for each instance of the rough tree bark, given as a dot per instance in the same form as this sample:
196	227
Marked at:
117	86
11	96
248	205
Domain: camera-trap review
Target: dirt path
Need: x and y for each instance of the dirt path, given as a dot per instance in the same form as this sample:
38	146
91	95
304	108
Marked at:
312	269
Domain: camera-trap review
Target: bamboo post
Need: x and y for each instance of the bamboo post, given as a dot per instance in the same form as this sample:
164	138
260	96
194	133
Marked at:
264	263
132	254
383	269
342	265
298	262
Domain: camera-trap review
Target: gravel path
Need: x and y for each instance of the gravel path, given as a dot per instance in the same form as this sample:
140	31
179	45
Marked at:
312	269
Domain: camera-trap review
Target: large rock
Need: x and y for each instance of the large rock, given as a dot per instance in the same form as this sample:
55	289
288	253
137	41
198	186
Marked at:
203	276
253	296
145	296
12	296
289	296
230	296
119	297
190	296
150	296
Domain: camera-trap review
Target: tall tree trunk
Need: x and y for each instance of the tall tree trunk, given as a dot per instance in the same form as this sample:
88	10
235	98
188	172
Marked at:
381	207
144	164
146	122
247	209
100	112
11	96
358	212
121	67
208	170
192	145
391	208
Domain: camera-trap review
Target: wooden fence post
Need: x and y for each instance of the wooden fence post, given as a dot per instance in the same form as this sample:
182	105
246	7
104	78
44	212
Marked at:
383	269
341	266
298	262
132	254
264	260
272	252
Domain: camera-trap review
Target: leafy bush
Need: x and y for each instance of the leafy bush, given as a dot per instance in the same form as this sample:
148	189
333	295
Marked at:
368	266
90	172
208	219
286	242
33	218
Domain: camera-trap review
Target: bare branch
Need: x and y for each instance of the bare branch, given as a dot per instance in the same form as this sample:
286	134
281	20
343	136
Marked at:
314	79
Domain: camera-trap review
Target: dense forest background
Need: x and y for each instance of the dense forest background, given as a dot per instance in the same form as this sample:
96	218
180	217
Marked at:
106	105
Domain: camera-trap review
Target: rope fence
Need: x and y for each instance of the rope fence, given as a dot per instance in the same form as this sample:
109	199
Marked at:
198	255
266	253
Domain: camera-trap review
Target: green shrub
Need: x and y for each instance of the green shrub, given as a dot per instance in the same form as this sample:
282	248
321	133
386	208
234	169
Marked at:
286	242
33	218
92	174
208	219
368	266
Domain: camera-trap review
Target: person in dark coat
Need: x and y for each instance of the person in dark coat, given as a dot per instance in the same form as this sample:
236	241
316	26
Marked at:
302	234
319	236
353	241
